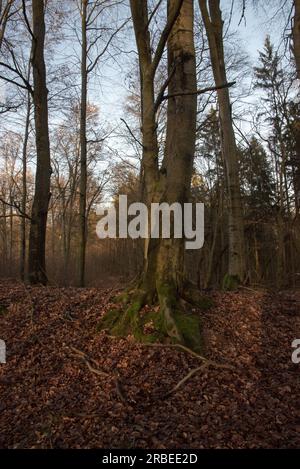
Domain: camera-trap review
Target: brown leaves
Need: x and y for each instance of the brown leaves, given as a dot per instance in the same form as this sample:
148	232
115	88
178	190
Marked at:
50	399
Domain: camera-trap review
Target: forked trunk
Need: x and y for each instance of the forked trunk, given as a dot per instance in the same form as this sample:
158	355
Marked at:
163	278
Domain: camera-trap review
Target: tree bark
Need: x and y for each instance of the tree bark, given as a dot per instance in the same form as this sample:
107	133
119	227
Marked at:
83	146
24	187
177	165
296	36
296	127
38	225
213	22
163	273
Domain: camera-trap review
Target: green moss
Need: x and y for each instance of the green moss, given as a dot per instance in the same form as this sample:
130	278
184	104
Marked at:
3	310
190	328
195	297
230	282
167	291
122	298
108	320
151	326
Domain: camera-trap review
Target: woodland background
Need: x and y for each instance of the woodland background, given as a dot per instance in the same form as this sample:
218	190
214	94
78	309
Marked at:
265	113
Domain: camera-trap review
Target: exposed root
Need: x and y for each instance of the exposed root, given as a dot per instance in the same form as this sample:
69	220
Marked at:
183	380
119	386
174	321
84	357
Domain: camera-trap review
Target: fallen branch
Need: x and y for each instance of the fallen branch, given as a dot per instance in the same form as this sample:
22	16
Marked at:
87	361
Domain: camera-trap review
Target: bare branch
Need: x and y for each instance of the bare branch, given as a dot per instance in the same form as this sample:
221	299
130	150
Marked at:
200	91
164	36
131	133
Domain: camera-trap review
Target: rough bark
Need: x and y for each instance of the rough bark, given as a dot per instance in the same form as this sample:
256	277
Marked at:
37	235
177	165
163	275
296	36
213	22
83	145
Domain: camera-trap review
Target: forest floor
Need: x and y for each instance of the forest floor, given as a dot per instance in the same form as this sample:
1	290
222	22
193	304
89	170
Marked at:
50	398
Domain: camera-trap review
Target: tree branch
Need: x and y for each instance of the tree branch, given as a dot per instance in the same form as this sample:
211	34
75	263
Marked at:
17	207
131	133
165	35
200	91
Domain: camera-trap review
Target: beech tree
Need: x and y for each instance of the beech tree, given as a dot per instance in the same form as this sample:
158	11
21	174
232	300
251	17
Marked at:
212	18
163	276
91	54
38	223
296	36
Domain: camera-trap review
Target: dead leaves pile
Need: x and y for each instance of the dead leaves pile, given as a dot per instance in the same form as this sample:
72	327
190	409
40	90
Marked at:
50	399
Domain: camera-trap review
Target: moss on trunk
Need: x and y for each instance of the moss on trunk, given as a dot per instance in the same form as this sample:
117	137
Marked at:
170	319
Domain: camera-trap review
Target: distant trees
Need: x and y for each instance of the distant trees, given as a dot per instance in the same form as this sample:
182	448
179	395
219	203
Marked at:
66	175
94	44
246	166
5	11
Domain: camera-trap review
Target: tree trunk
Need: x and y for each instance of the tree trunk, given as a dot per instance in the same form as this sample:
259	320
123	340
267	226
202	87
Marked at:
177	165
24	189
37	236
296	36
163	276
213	22
296	126
83	146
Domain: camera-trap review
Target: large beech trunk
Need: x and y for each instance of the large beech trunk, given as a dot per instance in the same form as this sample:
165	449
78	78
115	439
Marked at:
164	262
37	236
163	277
213	22
177	165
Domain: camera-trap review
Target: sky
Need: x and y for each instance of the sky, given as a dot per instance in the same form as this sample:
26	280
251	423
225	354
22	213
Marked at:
251	33
110	89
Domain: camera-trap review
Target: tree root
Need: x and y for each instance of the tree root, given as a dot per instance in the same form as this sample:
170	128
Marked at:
155	397
84	357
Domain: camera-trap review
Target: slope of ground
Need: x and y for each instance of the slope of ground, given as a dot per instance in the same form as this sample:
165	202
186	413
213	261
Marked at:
49	398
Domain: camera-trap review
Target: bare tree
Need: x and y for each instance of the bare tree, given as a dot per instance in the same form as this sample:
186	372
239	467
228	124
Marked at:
91	55
212	17
5	13
296	36
38	224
